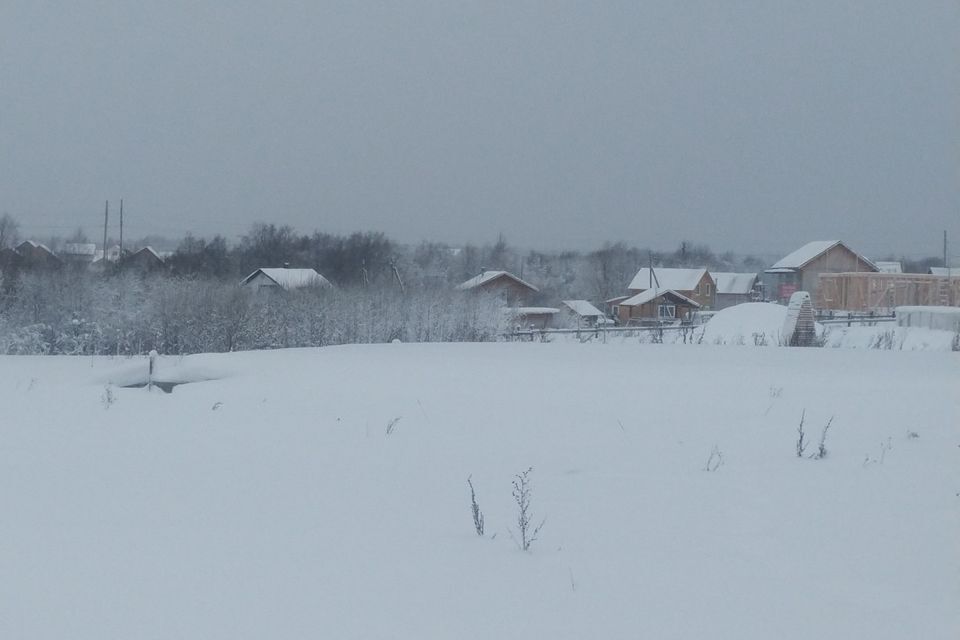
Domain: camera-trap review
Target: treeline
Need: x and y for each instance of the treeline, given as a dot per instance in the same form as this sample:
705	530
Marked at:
83	314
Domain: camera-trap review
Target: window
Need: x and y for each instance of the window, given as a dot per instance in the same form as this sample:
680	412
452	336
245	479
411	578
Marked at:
667	311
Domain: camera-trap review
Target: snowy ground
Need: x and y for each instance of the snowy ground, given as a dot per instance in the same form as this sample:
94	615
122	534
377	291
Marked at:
271	503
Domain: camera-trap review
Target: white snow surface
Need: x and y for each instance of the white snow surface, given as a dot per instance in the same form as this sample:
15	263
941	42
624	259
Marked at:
740	323
271	503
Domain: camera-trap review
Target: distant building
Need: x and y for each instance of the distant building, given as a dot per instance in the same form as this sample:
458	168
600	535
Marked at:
504	284
78	254
37	256
580	313
734	288
888	266
655	305
694	284
283	279
144	260
532	317
800	270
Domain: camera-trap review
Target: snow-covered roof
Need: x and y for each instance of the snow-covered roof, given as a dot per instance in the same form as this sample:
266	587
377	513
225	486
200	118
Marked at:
735	283
489	276
888	266
945	271
79	249
583	309
616	300
35	245
530	311
653	294
149	250
676	279
808	252
291	278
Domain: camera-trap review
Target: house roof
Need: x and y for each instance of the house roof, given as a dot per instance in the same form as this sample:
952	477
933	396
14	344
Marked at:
290	278
944	271
149	250
35	245
489	276
530	311
79	249
676	279
583	309
734	283
889	266
652	294
809	252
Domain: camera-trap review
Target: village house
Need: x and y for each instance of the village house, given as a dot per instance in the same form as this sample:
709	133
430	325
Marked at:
800	270
513	290
655	306
694	284
37	256
78	255
144	260
283	279
734	288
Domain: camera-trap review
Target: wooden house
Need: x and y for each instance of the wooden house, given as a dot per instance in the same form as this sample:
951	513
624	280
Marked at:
655	306
800	270
694	284
37	256
503	284
145	260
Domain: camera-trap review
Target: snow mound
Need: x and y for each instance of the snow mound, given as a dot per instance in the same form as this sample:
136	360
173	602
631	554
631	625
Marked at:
749	323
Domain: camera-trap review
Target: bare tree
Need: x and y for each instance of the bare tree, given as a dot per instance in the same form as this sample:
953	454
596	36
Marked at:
9	231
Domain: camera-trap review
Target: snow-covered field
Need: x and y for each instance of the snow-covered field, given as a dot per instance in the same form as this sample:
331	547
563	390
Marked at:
268	501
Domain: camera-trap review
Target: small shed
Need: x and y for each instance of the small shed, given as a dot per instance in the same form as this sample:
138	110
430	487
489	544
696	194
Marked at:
734	288
532	317
581	313
283	279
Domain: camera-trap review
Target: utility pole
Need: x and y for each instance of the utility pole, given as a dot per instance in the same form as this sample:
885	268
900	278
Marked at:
106	218
121	231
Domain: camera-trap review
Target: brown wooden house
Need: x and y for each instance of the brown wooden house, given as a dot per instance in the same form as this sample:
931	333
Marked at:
695	284
513	290
654	306
800	270
37	256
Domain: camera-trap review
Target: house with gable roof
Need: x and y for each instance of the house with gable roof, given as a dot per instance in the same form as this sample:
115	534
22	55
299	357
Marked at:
283	279
696	285
800	270
514	291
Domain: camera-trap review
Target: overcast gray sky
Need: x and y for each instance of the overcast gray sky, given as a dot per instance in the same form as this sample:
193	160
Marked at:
751	126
